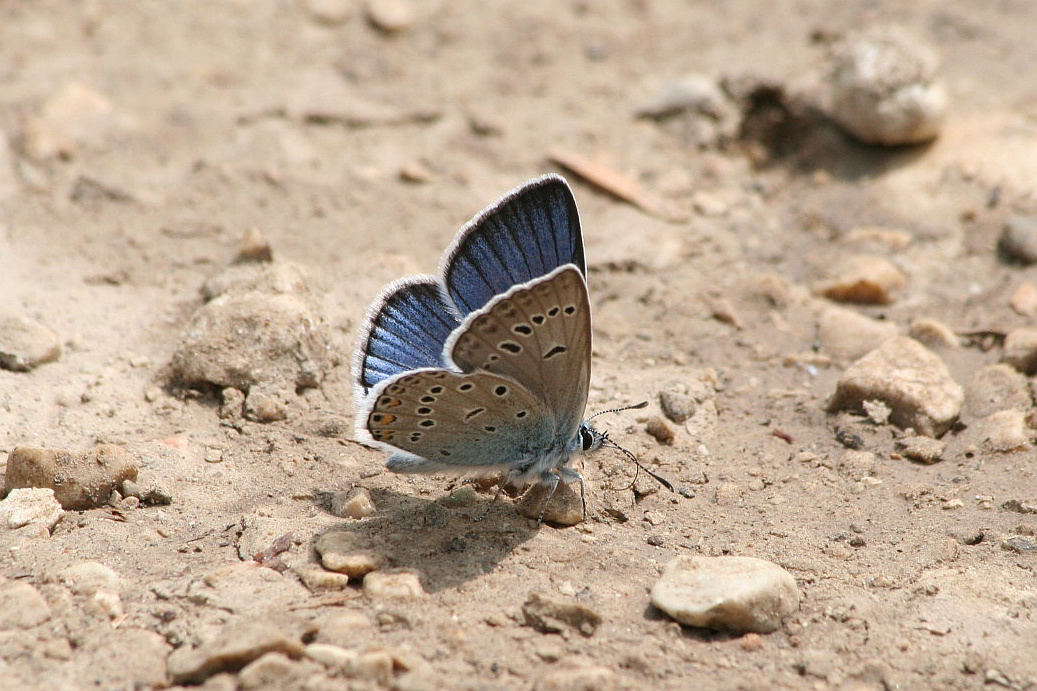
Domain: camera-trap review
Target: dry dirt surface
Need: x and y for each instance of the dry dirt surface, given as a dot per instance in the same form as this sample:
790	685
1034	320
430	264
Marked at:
151	153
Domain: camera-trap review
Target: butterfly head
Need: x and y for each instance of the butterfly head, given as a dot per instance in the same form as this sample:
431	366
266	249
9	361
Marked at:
588	438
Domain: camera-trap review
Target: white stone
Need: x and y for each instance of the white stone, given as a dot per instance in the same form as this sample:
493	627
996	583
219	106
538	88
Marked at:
731	593
847	335
379	585
884	88
88	577
31	506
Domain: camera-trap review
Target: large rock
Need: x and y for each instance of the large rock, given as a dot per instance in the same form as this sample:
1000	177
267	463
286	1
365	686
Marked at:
247	339
912	381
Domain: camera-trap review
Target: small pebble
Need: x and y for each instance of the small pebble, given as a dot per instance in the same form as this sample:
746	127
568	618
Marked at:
26	344
330	12
1019	506
415	172
994	388
1020	544
660	430
579	679
348	552
316	578
465	495
877	239
397	585
80	481
107	604
564	507
390	16
863	279
232	403
1021	350
1019	239
261	406
922	449
552	615
254	247
933	334
739	594
1003	431
89	577
884	88
698	94
356	504
847	335
908	378
1024	300
32	508
677	405
72	117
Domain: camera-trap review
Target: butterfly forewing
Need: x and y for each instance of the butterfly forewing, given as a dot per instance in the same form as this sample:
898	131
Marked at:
527	234
406	330
452	419
538	334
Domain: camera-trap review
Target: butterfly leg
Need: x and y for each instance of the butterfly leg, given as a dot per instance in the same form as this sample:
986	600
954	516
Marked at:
570	475
496	496
550	480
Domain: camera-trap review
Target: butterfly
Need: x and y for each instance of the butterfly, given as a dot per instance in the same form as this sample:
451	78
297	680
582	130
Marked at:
485	367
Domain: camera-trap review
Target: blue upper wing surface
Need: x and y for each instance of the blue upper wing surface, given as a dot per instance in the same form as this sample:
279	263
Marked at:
527	234
406	330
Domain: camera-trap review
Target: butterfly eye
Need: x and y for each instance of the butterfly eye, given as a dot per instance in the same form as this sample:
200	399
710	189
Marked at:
428	399
521	414
467	386
510	346
586	439
436	390
424	410
538	319
553	312
427	423
501	390
570	310
522	329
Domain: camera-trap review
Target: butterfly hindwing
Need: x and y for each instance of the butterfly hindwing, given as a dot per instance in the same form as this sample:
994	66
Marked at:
528	233
463	421
406	329
538	334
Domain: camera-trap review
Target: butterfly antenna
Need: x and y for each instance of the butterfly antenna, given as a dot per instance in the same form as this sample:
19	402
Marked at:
636	406
607	442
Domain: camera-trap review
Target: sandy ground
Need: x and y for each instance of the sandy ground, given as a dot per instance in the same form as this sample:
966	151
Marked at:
145	140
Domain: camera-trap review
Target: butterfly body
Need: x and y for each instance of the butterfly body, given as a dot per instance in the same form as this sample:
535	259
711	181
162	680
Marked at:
486	368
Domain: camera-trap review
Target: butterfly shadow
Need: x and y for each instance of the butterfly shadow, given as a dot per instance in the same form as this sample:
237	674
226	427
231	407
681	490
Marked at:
447	545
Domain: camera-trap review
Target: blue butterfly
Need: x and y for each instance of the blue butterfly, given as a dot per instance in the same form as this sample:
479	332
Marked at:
485	368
